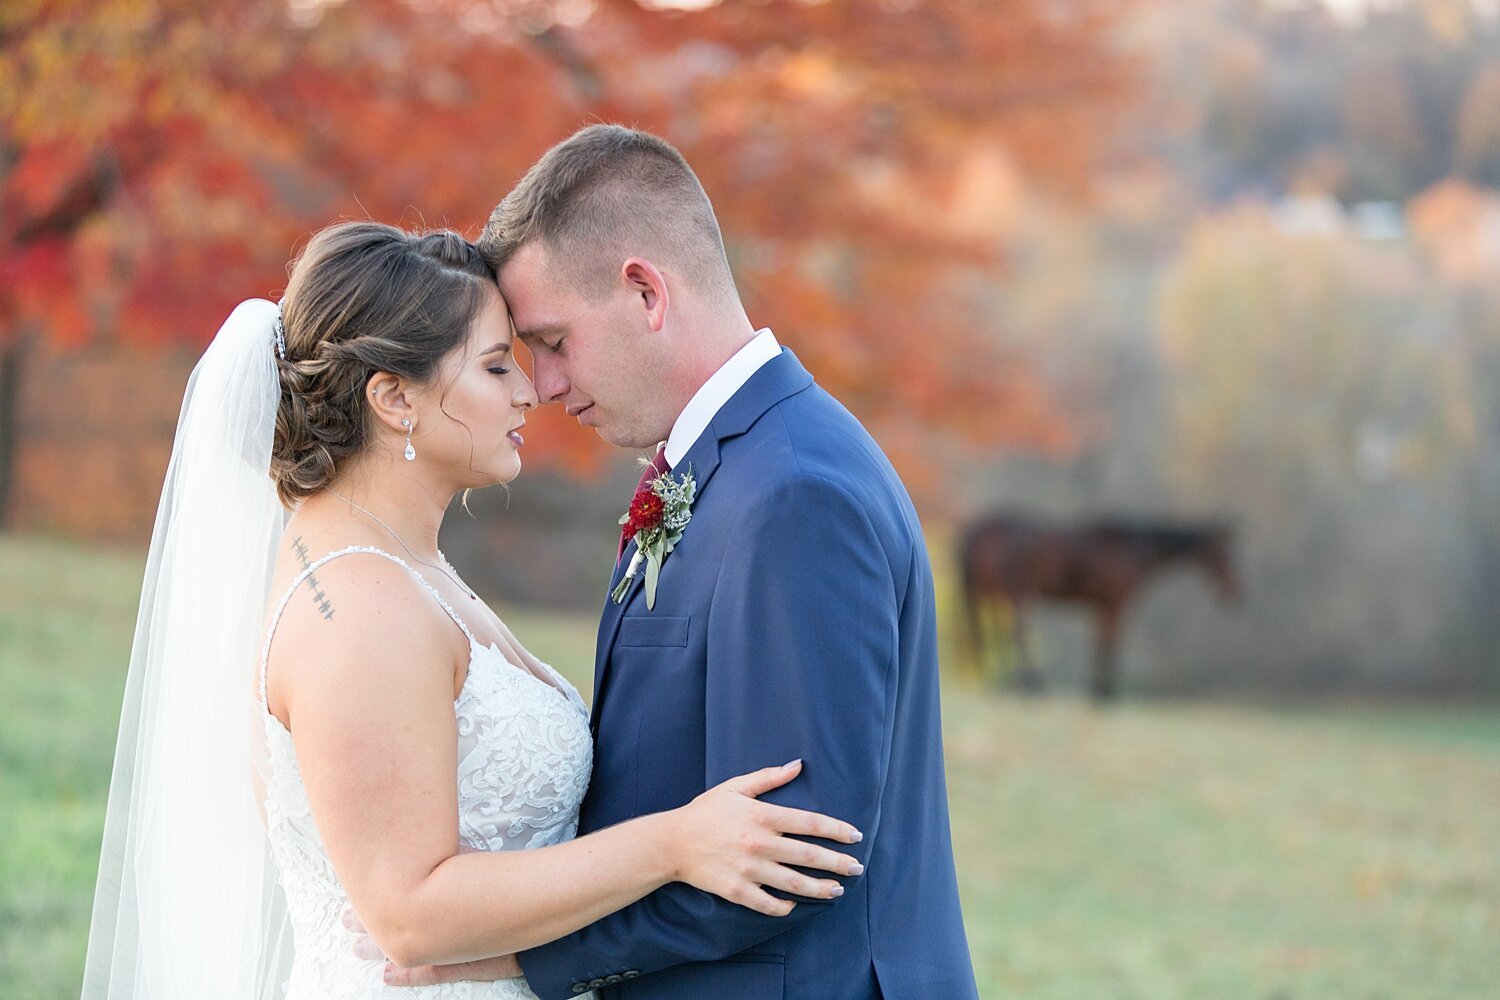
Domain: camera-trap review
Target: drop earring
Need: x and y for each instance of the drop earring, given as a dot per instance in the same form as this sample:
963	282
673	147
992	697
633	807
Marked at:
410	453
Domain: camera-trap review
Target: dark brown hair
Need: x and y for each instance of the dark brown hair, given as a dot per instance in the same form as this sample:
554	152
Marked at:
363	298
606	192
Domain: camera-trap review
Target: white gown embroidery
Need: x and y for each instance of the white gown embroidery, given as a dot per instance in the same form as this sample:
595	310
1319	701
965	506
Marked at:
524	757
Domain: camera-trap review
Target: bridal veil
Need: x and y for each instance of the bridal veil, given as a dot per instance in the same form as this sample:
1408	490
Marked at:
187	904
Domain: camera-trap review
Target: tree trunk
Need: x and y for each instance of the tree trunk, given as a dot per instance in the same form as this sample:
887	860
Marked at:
14	352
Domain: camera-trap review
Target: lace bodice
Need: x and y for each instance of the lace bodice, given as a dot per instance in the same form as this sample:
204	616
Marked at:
524	756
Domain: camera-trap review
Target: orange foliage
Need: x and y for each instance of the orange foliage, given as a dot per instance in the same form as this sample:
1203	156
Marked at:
1459	226
158	158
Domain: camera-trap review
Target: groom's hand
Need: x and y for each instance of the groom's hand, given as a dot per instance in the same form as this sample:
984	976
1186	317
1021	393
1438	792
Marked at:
363	945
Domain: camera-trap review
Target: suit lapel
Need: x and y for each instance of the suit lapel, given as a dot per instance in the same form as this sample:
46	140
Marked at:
609	624
702	458
777	379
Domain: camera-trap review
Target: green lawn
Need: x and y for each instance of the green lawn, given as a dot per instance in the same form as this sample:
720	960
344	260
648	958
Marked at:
1152	852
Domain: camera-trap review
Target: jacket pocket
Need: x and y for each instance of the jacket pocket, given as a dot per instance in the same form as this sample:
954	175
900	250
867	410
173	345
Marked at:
651	630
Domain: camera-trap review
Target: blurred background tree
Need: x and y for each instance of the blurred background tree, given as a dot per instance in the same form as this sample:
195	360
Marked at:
1235	259
159	159
1279	305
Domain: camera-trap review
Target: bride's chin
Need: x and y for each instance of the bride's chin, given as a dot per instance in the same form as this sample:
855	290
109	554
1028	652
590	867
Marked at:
508	472
488	477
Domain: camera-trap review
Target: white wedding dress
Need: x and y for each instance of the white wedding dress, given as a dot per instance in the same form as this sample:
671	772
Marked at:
524	757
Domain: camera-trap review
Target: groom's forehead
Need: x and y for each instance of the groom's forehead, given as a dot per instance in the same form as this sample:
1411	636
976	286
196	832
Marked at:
528	304
536	310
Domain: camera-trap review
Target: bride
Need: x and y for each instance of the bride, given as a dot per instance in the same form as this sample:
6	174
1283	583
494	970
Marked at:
320	714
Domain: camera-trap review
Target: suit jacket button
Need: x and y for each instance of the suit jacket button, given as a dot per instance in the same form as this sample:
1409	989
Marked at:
580	987
630	973
594	984
611	980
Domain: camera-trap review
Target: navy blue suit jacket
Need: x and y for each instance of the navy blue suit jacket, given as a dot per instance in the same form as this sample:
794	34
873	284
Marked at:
794	619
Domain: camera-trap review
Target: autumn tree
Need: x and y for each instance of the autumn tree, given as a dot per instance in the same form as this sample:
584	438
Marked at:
159	158
1325	391
1370	101
1478	153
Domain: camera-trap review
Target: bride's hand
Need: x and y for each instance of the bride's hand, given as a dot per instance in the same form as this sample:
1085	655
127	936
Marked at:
727	843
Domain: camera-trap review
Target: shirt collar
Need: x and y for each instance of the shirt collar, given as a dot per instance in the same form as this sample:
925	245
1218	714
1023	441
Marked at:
713	394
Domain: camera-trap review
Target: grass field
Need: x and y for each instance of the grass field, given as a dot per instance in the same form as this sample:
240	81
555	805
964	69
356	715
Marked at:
1153	852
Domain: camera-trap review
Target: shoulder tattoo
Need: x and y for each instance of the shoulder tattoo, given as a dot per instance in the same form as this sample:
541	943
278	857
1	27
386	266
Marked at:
320	597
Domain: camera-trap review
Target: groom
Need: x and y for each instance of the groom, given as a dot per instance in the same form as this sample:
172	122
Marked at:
794	619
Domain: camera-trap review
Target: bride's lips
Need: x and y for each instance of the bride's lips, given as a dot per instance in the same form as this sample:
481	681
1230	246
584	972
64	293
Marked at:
516	438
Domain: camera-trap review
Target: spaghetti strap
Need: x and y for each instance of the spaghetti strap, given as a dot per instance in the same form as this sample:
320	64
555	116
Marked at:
265	650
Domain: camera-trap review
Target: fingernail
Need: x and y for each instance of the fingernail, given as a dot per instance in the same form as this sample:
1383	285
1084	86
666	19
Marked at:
838	891
857	837
791	764
856	869
386	974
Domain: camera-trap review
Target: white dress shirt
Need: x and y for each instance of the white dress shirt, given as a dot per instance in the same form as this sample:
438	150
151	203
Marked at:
714	393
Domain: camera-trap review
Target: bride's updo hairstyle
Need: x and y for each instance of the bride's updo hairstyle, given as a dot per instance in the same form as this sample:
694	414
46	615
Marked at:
363	297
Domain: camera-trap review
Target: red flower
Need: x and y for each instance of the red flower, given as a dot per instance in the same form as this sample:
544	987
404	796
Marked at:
646	511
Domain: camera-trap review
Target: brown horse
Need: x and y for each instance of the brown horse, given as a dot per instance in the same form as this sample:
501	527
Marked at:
1014	558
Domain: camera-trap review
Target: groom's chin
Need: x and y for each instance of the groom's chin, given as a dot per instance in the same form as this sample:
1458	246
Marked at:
630	442
613	435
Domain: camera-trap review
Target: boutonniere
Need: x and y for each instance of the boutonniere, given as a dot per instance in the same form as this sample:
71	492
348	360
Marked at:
659	511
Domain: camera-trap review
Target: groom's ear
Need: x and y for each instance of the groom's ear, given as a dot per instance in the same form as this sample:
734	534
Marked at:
645	281
388	400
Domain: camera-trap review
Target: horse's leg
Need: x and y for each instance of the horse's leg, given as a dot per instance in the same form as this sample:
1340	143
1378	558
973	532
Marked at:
973	612
1106	668
1028	678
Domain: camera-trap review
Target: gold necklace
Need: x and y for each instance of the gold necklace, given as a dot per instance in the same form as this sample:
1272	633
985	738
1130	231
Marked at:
461	585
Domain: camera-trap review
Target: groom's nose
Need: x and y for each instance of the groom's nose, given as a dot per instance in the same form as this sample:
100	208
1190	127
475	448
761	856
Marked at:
547	375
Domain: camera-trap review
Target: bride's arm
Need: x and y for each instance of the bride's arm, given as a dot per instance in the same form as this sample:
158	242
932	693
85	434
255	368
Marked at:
369	701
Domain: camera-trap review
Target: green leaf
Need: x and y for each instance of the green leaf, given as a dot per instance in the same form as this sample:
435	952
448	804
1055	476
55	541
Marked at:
653	570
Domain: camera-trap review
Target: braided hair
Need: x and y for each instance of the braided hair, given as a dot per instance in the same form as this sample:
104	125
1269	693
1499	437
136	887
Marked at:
363	297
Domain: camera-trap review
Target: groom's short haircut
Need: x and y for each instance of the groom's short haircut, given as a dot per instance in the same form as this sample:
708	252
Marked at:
605	193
